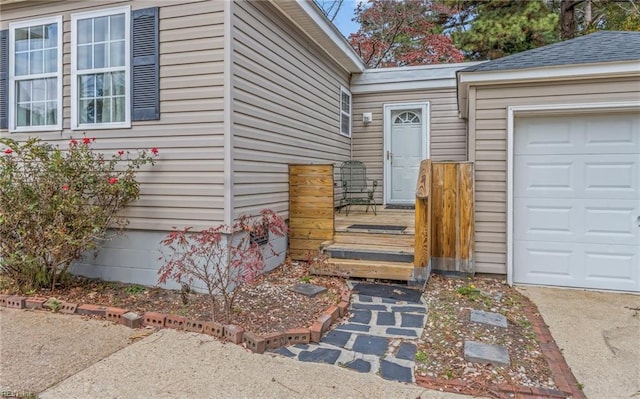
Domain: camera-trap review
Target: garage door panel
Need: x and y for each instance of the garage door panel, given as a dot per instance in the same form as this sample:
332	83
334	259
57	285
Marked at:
547	261
604	268
543	219
540	176
577	176
576	201
584	265
611	134
577	220
611	176
615	223
562	135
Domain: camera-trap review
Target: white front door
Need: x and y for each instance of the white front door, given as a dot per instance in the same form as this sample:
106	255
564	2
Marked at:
577	201
406	146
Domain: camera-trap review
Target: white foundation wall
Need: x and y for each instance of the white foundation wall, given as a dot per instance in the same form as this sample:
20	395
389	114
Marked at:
134	257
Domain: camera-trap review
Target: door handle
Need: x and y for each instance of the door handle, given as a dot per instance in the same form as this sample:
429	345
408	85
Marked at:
390	157
638	221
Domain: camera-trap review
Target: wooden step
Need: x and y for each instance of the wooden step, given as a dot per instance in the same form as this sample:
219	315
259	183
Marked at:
400	240
370	252
402	271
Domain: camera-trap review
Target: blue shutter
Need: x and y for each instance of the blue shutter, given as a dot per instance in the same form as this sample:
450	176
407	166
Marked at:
145	75
4	79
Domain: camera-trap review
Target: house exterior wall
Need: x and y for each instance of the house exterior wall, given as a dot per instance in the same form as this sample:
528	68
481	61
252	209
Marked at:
488	148
186	186
286	106
448	132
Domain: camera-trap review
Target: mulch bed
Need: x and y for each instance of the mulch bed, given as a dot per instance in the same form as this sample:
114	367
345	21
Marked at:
264	306
267	306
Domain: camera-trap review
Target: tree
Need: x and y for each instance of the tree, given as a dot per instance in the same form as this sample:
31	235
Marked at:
585	16
490	29
330	8
401	33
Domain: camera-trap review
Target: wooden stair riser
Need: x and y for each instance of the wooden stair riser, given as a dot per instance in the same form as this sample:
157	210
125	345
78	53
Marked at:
344	253
400	240
366	269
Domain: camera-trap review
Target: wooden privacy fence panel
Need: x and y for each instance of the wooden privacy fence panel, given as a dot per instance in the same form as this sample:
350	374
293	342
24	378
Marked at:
452	226
311	216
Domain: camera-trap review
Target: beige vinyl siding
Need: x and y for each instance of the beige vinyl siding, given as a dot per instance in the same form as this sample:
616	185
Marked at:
285	107
448	133
489	111
185	187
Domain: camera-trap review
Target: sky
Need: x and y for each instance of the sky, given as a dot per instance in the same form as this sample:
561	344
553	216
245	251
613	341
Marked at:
343	20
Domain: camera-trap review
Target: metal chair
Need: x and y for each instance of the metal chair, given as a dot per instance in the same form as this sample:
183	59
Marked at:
357	189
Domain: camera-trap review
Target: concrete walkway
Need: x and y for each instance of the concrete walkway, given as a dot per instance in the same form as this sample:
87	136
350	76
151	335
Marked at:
167	364
378	338
599	335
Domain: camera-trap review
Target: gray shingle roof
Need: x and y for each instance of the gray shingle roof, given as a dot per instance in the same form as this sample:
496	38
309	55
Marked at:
604	46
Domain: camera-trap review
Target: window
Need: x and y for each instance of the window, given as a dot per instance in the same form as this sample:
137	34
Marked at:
35	75
345	112
100	69
406	117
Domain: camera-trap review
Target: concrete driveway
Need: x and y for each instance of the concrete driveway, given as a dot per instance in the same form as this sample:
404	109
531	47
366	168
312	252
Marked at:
91	359
599	335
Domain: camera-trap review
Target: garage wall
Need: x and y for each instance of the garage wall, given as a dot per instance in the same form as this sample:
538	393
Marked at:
488	145
448	133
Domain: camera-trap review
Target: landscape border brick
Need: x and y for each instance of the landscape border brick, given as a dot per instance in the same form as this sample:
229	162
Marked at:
16	302
230	332
233	333
35	302
92	310
275	340
193	325
254	343
68	307
298	336
174	321
115	314
154	319
132	320
214	329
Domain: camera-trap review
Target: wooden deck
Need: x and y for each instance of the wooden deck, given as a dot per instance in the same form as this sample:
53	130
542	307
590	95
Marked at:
389	217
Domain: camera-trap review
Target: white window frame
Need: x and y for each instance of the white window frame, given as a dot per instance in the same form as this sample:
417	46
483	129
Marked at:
75	125
350	114
13	109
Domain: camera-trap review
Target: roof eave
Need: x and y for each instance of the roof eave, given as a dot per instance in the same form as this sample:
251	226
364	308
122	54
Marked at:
543	74
329	38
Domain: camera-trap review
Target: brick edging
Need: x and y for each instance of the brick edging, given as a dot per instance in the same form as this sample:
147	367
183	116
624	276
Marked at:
229	332
561	373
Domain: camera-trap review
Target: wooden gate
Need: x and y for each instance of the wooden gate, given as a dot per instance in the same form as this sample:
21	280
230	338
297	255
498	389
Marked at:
445	217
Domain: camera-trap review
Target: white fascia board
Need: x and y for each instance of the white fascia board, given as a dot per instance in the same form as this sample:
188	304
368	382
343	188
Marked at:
332	32
407	78
446	83
560	72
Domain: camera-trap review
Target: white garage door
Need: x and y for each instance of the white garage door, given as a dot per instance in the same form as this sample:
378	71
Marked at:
576	201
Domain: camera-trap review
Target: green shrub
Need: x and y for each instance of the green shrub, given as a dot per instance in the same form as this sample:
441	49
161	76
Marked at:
56	204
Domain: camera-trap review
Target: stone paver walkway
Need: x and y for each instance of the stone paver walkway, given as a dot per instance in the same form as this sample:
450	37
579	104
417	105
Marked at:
379	337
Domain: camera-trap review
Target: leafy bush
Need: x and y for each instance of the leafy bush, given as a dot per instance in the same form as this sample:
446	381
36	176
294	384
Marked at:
56	204
223	258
